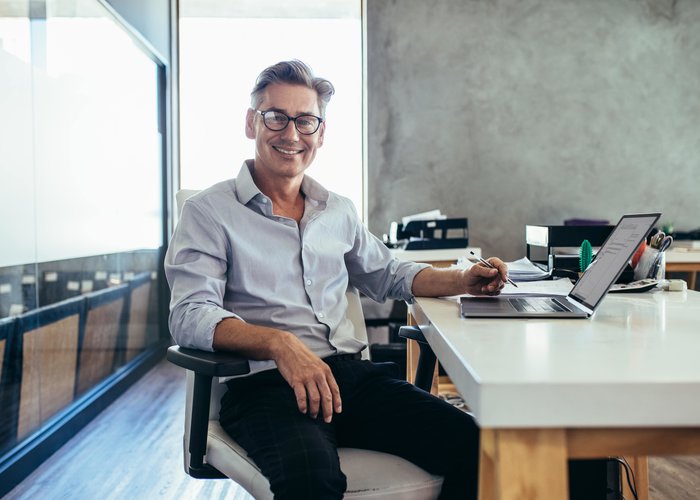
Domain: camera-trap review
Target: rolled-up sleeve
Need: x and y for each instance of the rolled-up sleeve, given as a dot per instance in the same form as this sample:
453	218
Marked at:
196	267
375	272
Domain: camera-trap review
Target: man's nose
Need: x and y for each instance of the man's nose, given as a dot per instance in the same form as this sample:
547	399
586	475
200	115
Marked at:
290	131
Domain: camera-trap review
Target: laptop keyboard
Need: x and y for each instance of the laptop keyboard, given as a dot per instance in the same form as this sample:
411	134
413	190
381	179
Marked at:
538	304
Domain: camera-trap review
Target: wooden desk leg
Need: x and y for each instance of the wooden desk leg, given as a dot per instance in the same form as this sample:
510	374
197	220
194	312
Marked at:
412	352
487	479
543	450
640	468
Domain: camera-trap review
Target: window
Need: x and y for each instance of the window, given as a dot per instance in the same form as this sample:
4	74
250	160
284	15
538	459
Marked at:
222	50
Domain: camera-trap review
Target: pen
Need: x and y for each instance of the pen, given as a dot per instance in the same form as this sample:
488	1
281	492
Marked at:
488	264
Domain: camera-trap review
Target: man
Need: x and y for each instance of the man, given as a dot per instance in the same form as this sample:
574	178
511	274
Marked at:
260	265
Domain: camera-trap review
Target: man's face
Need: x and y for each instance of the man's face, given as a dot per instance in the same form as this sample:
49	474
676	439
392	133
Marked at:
284	153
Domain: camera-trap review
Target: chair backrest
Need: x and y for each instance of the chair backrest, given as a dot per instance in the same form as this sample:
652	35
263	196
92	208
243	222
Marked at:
357	317
181	196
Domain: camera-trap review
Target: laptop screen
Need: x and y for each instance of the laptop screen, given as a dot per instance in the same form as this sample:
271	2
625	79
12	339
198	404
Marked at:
612	257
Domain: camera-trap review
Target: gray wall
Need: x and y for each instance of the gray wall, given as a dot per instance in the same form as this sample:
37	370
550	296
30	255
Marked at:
515	112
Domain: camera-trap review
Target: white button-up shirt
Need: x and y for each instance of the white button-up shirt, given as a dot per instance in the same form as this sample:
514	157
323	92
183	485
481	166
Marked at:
230	257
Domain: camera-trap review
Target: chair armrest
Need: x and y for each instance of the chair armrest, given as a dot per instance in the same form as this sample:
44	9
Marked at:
205	366
412	333
213	364
426	360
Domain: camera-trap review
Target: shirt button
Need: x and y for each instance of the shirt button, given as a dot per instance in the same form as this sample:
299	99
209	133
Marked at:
264	200
320	315
308	282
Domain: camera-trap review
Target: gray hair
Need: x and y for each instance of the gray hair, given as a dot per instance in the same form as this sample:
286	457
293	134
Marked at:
297	73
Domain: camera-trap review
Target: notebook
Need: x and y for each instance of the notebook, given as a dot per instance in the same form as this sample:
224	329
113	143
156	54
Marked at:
585	297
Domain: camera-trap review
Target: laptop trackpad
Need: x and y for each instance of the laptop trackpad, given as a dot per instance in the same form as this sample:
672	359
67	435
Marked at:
487	304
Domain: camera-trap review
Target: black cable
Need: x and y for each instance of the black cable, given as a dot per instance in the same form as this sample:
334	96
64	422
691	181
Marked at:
629	473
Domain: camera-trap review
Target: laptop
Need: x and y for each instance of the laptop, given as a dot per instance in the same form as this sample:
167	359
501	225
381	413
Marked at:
584	298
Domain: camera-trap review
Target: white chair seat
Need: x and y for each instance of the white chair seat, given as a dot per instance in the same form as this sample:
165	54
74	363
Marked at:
371	474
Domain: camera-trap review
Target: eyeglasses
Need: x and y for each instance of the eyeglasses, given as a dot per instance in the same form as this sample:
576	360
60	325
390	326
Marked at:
276	121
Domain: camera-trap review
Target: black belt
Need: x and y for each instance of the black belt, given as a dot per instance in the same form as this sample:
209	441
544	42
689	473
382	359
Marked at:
344	357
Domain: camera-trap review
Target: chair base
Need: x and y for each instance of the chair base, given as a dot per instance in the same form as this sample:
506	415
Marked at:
206	471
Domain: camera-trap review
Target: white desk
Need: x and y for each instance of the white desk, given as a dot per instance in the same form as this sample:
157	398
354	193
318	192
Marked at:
625	382
683	260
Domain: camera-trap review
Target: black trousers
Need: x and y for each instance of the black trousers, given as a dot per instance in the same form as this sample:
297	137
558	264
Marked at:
299	456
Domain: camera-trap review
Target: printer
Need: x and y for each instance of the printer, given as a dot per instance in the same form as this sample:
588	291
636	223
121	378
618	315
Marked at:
429	234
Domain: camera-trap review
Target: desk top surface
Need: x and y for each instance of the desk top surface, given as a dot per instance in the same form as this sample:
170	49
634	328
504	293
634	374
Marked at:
636	362
683	255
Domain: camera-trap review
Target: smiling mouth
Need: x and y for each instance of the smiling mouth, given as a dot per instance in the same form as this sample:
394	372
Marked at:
287	151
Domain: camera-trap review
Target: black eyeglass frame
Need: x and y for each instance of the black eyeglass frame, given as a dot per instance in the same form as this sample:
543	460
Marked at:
289	119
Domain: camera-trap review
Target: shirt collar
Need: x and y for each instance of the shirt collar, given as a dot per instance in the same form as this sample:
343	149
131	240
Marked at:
314	191
246	189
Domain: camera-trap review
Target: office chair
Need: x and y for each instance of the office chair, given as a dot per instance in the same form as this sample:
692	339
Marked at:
209	452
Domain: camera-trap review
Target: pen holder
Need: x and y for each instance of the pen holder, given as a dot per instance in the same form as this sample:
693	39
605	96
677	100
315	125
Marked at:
651	265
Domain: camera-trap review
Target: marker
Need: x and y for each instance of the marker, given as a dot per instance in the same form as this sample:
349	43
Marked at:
488	264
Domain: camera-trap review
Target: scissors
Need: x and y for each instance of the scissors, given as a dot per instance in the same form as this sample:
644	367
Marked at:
665	243
657	239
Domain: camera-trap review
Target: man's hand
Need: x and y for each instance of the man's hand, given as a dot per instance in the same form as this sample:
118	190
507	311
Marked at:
477	280
311	379
482	280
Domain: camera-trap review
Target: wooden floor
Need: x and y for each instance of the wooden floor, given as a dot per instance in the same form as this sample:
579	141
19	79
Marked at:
134	450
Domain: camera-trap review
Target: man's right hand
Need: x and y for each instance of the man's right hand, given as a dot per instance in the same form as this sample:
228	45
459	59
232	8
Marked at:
311	379
314	385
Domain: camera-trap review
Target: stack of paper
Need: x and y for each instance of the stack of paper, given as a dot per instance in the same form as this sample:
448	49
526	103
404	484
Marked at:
524	270
519	270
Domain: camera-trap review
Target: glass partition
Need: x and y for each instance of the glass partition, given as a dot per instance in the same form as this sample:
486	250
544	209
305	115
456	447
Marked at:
82	219
16	146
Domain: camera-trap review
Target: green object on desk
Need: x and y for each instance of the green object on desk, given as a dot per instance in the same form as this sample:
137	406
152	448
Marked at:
585	255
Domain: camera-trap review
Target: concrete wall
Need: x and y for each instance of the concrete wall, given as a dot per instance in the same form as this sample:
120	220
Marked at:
515	112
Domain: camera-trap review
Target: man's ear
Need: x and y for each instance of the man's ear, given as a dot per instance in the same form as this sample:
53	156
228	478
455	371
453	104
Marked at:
321	134
250	124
